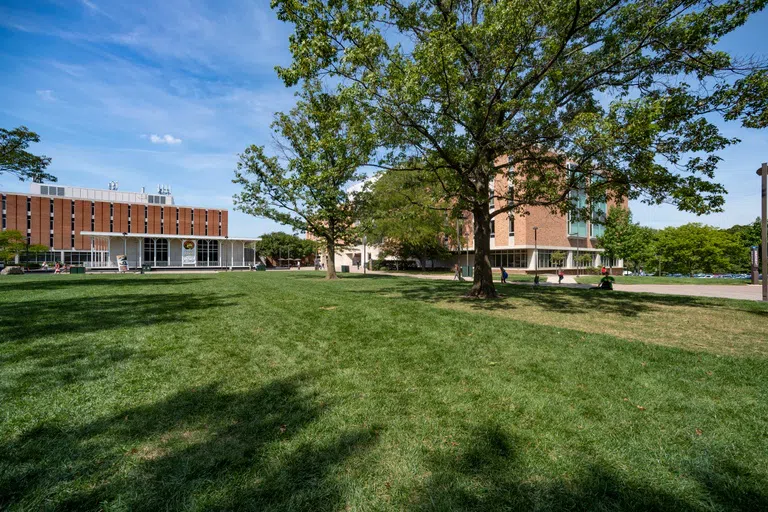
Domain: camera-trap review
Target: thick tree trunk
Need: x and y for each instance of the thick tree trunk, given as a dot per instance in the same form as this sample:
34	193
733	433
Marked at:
330	258
483	280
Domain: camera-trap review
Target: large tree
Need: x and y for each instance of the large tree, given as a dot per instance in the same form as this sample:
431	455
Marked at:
407	217
16	160
282	245
698	248
607	98
321	145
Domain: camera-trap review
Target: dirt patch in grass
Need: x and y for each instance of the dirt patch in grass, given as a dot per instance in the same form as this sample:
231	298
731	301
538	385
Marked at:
707	326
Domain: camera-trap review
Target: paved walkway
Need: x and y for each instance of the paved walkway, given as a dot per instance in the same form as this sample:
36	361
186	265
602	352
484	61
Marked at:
722	291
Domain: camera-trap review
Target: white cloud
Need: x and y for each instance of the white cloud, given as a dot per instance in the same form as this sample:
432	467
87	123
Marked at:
45	94
165	139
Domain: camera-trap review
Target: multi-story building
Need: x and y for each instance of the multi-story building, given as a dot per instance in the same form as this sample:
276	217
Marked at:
93	226
522	243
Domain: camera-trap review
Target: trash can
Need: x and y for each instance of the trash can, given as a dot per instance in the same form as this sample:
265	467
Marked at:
77	270
344	268
468	271
146	268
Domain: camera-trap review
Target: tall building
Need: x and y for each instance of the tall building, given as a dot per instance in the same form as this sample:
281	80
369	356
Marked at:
93	226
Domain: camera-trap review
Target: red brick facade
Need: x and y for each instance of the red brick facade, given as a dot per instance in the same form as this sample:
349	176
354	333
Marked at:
107	217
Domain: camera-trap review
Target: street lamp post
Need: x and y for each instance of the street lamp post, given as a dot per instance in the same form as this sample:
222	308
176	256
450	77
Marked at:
763	172
536	254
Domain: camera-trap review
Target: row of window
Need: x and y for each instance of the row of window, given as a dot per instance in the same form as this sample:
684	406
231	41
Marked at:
511	227
512	258
93	218
48	190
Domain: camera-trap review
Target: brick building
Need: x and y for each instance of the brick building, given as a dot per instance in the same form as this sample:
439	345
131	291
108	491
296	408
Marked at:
92	226
520	241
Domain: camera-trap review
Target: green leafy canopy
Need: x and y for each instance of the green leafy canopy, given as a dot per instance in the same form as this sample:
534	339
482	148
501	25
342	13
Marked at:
621	89
14	159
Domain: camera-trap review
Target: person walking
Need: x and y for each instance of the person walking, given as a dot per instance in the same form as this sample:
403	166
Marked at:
299	265
504	275
560	276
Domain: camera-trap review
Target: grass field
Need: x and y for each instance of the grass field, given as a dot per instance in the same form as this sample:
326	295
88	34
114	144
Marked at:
514	278
281	391
663	280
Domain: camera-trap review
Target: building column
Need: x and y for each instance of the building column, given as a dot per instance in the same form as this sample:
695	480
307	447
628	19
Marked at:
232	253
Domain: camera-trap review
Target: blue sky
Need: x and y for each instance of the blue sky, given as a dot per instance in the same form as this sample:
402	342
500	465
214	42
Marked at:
169	92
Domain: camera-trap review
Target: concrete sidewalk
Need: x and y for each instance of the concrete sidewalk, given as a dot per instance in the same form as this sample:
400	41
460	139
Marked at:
720	291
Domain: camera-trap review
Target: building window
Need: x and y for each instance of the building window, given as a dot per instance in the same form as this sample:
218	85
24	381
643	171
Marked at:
491	201
111	217
73	225
162	221
545	258
219	223
50	201
4	219
156	250
515	258
192	221
207	252
206	222
493	229
146	224
51	191
597	223
177	221
129	218
511	224
93	216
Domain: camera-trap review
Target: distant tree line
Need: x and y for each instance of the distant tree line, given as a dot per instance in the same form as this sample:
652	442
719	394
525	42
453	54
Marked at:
688	249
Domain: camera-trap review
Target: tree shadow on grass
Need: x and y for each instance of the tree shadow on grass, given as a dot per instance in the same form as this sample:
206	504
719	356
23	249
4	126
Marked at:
201	448
53	282
29	320
491	474
553	299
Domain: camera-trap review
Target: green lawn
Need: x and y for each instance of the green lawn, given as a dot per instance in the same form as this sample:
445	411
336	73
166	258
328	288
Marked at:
281	391
663	280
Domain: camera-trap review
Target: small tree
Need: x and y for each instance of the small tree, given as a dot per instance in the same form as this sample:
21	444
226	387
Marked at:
584	260
12	243
14	159
322	142
621	238
558	258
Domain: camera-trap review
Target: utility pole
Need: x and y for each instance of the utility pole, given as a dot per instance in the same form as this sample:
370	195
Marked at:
763	172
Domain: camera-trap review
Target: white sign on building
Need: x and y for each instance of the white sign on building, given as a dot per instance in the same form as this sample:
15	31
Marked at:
188	252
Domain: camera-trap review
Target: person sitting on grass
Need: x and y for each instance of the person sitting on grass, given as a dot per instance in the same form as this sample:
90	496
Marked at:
606	283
